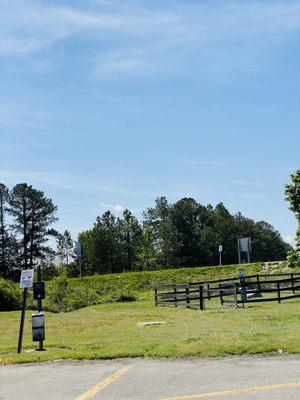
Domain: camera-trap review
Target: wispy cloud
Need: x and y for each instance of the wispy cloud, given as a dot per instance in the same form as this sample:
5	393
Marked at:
147	40
115	207
248	183
290	240
72	182
204	163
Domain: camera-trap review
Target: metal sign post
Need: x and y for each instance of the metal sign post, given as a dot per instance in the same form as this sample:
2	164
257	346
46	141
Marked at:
79	256
220	254
26	282
39	294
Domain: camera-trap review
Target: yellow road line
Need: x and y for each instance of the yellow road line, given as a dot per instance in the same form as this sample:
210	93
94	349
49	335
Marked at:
102	384
236	391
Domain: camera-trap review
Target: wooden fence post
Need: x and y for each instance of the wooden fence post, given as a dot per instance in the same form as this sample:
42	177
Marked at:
208	291
221	295
258	283
187	296
278	291
293	283
175	295
235	296
201	297
155	296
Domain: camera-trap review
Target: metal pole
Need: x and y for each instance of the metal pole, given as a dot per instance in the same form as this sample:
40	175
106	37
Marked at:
80	269
239	253
39	303
22	321
220	259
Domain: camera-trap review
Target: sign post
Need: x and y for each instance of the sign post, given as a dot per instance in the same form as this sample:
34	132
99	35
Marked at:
39	295
26	282
79	256
220	254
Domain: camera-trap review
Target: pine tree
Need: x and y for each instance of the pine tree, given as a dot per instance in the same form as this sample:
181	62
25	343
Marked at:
33	214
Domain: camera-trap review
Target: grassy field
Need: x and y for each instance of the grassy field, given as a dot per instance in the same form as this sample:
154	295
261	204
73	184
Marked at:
112	330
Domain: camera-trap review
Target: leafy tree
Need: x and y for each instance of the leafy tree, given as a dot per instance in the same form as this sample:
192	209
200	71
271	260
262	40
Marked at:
292	195
64	247
33	214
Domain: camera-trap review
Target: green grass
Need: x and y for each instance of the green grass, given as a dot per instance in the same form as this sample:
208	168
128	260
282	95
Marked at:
99	289
111	330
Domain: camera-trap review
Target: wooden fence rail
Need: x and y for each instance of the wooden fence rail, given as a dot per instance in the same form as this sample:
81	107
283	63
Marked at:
193	295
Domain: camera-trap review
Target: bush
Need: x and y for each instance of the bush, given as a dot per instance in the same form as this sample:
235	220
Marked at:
57	291
10	296
293	259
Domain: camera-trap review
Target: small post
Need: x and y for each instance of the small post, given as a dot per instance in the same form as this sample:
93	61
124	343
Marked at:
221	294
278	291
235	295
155	296
220	254
208	291
187	296
22	320
201	297
293	283
258	283
175	295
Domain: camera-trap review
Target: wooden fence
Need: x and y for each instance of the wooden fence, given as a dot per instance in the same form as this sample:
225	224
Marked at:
230	291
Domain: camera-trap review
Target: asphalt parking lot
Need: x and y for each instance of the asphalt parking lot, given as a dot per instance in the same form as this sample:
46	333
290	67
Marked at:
247	378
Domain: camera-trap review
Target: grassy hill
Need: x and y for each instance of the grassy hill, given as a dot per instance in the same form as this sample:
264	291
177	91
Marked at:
67	294
108	288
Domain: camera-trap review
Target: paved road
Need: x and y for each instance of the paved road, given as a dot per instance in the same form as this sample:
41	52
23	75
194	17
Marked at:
146	379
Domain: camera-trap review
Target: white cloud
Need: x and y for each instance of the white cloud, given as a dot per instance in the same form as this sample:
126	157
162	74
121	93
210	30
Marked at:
290	239
115	207
130	39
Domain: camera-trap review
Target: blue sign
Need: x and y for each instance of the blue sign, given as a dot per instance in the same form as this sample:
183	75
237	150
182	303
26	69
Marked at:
78	250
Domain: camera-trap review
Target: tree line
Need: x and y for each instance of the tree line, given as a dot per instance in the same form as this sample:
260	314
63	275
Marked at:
184	233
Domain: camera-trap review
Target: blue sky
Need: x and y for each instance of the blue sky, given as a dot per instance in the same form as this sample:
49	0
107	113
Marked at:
109	104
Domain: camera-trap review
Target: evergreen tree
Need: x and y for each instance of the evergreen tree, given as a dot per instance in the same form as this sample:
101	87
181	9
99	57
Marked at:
158	219
147	253
131	236
8	245
33	214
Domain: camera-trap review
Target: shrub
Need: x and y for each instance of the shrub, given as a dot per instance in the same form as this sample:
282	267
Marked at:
293	259
10	296
57	291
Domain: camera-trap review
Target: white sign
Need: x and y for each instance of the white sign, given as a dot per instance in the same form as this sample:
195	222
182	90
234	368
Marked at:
26	280
220	248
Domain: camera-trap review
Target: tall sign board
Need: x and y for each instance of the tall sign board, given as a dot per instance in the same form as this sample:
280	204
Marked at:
244	246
